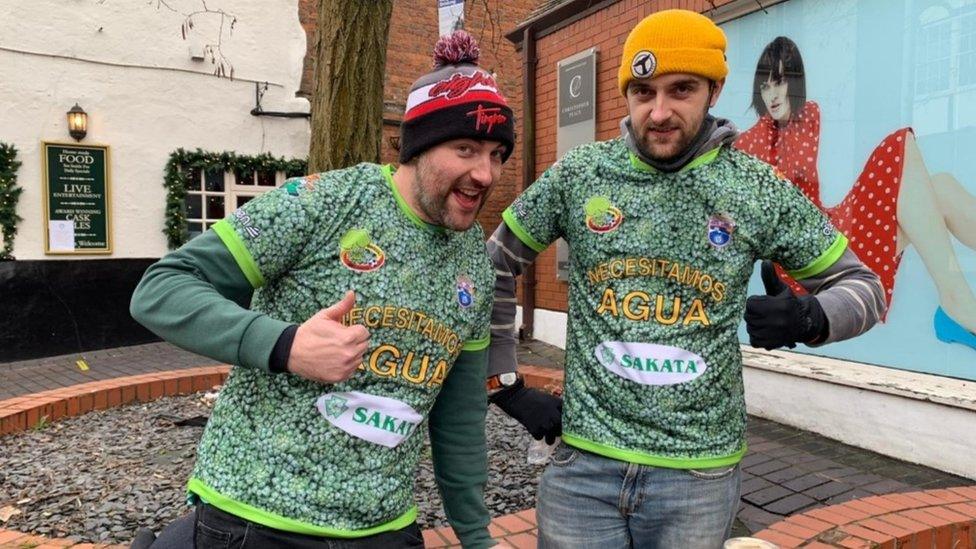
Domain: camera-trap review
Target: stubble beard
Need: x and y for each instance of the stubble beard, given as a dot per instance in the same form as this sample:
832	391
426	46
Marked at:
433	204
685	139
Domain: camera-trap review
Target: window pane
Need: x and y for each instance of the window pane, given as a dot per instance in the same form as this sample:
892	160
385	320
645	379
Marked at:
194	228
241	200
266	179
215	207
215	180
244	178
194	180
932	58
193	209
967	51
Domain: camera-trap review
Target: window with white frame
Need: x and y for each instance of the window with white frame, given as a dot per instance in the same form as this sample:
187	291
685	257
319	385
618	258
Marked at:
945	56
967	49
211	195
932	58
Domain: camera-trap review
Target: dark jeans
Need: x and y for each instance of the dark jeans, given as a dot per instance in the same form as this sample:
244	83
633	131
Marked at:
216	529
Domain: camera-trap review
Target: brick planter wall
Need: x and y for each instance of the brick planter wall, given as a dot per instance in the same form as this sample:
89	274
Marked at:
22	413
933	519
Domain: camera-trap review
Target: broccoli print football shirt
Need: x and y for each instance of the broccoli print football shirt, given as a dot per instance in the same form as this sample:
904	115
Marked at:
660	264
339	459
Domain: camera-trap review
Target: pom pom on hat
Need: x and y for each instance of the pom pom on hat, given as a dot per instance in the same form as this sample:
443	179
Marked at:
456	48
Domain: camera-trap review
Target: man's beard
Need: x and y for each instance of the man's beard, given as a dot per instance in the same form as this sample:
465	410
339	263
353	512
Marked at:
685	139
433	204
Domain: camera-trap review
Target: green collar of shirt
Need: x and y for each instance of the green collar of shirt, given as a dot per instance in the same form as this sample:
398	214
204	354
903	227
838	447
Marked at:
705	158
404	207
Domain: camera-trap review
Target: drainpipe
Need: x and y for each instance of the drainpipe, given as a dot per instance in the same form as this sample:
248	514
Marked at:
528	169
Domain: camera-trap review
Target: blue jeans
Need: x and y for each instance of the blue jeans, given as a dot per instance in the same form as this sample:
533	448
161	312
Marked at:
214	529
590	501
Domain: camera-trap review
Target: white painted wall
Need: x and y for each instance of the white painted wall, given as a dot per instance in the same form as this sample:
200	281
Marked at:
127	65
921	418
887	414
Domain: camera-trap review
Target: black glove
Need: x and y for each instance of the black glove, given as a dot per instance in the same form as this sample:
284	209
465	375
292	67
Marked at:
538	411
781	317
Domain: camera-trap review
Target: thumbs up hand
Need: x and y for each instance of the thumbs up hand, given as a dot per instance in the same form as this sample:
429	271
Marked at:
781	318
326	351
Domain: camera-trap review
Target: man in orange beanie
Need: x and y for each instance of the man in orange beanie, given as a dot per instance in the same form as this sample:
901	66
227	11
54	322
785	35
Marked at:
666	223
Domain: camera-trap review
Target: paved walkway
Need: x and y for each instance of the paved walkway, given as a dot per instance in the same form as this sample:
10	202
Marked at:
33	376
786	470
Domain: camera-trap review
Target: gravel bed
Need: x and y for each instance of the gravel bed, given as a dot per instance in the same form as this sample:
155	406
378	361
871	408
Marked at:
100	477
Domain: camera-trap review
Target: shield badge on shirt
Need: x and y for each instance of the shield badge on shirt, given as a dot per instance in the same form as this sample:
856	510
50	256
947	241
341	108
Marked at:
720	229
465	291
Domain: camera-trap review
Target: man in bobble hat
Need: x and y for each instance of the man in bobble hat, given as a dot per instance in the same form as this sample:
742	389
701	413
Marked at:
370	295
666	223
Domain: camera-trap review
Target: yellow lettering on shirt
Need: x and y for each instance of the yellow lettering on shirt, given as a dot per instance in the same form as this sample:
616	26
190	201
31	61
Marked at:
675	271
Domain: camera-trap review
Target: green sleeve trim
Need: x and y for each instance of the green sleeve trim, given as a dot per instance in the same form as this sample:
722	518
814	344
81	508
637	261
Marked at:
477	344
700	160
404	207
825	260
509	216
649	459
237	249
253	514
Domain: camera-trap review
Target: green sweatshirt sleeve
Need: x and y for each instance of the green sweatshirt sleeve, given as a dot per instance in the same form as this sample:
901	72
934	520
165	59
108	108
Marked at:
457	440
196	298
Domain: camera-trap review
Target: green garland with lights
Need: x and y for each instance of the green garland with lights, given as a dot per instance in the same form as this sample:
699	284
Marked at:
9	196
181	163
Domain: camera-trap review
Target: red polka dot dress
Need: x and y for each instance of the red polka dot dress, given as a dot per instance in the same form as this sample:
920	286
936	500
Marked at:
868	214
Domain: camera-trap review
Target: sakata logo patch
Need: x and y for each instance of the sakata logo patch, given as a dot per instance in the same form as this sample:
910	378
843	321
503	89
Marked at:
601	215
465	291
720	229
377	419
649	363
358	253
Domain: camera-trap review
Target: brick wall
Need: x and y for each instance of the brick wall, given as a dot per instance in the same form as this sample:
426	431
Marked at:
606	30
413	32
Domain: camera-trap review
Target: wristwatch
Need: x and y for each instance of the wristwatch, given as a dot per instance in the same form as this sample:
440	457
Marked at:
501	381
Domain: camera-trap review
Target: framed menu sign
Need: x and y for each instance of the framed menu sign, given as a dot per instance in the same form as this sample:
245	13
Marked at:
76	199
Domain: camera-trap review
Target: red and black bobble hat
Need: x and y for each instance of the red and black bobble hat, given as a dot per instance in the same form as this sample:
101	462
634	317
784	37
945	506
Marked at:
456	100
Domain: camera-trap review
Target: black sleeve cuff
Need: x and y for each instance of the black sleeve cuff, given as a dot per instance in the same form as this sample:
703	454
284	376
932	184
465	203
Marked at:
278	363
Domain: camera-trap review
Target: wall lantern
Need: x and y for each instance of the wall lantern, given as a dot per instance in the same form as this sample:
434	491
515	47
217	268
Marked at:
77	122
